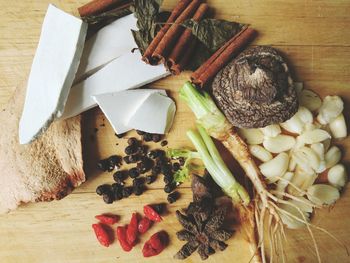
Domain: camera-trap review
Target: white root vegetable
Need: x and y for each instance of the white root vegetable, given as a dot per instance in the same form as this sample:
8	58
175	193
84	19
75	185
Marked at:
322	194
314	136
301	181
280	143
332	156
271	130
283	183
338	127
260	152
293	125
337	176
310	100
331	107
275	168
289	221
252	136
305	115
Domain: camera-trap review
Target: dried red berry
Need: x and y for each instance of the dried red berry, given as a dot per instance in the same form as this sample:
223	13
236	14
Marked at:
151	214
121	235
101	234
108	219
144	225
131	232
155	244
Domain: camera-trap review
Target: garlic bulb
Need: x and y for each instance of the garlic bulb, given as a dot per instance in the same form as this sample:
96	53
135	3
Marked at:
271	130
275	168
331	107
337	176
338	127
280	143
310	100
305	115
314	136
332	156
323	194
260	152
252	136
293	125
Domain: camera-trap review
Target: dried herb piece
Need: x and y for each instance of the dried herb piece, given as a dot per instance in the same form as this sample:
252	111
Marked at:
108	16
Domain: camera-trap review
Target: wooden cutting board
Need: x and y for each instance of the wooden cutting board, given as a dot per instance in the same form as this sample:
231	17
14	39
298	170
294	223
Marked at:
313	35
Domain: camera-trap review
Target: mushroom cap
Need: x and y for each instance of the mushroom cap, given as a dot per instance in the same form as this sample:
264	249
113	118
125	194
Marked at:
255	89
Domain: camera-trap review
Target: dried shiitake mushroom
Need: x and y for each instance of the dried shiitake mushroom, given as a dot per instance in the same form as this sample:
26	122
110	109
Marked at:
255	89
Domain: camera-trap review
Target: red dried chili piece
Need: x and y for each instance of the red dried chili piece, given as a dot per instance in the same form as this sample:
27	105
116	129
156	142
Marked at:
121	235
144	225
131	232
101	234
151	214
108	219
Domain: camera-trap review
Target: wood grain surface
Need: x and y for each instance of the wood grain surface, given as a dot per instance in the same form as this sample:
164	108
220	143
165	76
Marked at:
314	37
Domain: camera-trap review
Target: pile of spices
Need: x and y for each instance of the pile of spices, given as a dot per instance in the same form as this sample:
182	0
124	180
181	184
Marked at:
148	165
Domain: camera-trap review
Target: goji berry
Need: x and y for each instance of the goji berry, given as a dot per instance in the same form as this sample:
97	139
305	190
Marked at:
108	219
131	232
101	234
121	235
144	225
155	244
151	214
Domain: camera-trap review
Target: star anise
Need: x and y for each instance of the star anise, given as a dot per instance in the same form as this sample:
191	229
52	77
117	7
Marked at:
202	227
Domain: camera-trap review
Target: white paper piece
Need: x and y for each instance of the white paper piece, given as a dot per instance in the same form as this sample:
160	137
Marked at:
53	70
155	115
126	72
118	107
108	43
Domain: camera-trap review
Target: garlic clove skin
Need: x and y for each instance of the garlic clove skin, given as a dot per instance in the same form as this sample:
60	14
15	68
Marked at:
332	157
310	100
252	136
305	115
278	144
338	127
331	107
293	125
314	136
271	130
323	194
337	176
275	168
260	153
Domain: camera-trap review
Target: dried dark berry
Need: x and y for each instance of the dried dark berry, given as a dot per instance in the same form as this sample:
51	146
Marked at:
140	132
142	149
119	176
120	135
130	150
116	187
138	181
156	170
127	191
159	208
132	141
164	143
103	165
145	165
138	190
108	198
176	167
150	179
114	160
134	158
156	137
168	179
133	172
103	189
126	159
147	137
169	187
166	169
173	197
182	161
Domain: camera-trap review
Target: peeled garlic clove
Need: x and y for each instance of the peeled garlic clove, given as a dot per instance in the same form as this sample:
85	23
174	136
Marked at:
311	157
305	115
271	130
260	152
252	136
302	162
280	143
323	194
332	156
318	148
337	176
310	127
310	100
314	136
275	168
303	204
293	125
326	144
290	221
292	163
300	182
331	107
283	183
338	127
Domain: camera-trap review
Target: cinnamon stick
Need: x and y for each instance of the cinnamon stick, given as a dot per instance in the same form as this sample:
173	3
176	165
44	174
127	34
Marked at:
170	37
183	44
179	8
222	56
179	66
98	6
